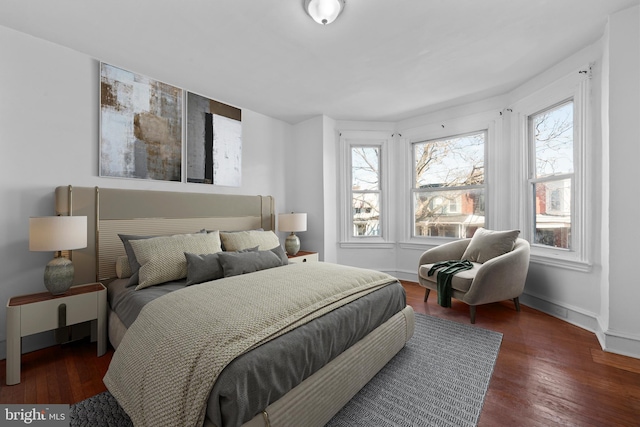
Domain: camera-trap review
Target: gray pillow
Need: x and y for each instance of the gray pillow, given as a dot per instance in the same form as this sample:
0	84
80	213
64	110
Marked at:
206	267
278	250
235	263
488	244
202	268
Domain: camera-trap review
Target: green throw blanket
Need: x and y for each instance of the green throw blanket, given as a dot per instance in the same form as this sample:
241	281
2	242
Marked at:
446	271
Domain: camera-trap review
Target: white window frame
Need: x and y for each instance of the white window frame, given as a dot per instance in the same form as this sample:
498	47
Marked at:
415	190
575	87
488	121
349	140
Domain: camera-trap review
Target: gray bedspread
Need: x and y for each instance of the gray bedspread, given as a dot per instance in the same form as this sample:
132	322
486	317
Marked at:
260	377
127	302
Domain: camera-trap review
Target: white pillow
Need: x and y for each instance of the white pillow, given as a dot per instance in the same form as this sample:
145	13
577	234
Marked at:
123	269
238	240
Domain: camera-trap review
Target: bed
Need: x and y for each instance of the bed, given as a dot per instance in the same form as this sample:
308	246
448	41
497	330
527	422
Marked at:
288	380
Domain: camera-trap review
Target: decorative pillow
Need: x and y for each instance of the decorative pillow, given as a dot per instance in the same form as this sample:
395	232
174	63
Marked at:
222	231
279	250
123	270
162	258
134	265
203	268
236	263
237	240
487	244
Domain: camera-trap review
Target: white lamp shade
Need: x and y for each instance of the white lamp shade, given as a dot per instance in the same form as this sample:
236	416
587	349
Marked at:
324	11
292	222
57	233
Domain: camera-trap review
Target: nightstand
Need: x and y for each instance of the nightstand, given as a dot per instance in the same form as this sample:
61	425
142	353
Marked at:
303	256
31	314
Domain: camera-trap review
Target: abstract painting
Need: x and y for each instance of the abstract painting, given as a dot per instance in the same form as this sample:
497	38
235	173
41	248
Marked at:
214	142
140	126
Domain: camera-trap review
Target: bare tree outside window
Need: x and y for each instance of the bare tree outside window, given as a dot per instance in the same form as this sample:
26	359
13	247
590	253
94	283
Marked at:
365	190
449	186
552	175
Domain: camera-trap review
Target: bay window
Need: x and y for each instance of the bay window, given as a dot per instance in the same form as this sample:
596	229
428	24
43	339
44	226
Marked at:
551	180
553	127
365	188
449	185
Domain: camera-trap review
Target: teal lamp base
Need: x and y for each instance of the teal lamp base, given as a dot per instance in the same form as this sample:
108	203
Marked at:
292	244
58	275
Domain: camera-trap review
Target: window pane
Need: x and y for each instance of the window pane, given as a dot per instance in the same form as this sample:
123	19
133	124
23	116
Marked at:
365	168
553	213
449	213
553	138
366	214
450	162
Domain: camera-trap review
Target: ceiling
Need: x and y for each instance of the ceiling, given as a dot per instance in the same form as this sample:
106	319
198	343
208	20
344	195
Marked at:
380	60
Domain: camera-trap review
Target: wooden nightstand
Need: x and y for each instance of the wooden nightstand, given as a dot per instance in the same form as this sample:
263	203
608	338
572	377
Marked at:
31	314
303	256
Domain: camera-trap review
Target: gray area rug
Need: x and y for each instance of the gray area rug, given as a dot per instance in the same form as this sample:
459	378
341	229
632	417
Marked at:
440	378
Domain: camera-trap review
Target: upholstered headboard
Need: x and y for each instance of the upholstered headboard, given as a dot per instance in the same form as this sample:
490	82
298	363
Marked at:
111	212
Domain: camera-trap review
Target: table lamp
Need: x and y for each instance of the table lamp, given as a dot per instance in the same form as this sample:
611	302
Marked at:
57	234
292	222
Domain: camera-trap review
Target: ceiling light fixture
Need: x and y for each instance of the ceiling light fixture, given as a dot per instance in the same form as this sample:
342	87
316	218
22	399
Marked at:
324	11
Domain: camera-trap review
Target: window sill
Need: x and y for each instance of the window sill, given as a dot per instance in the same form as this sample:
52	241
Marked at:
560	261
425	243
368	245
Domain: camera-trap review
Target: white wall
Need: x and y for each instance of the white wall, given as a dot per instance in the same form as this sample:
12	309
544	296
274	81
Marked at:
304	177
49	137
622	331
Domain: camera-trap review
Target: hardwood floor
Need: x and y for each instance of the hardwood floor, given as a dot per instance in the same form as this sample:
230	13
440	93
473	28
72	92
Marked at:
548	372
61	374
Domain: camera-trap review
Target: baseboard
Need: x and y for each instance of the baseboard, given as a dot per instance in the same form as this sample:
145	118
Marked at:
571	314
619	343
405	275
611	341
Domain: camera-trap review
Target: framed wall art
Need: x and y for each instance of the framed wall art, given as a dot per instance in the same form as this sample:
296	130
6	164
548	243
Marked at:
214	142
140	126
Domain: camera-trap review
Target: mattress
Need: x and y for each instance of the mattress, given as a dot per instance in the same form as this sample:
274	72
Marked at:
260	377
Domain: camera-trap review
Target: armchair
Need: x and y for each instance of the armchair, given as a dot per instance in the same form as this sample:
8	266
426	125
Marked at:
496	279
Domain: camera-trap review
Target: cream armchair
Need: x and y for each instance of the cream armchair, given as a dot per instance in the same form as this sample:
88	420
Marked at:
496	279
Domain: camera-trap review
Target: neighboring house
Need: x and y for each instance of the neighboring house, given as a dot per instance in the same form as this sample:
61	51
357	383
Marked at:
452	217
